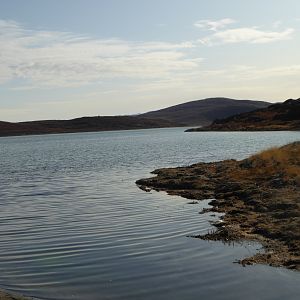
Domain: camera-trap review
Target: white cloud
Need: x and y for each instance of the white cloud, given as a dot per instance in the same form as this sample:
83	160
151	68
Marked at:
247	34
254	73
59	59
214	25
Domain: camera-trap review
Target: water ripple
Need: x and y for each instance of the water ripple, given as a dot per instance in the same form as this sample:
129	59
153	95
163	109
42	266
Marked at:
75	226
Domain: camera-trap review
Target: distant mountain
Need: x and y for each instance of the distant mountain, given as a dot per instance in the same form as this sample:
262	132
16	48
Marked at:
280	116
192	113
203	112
84	124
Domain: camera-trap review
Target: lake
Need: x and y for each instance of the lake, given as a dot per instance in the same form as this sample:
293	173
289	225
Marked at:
74	225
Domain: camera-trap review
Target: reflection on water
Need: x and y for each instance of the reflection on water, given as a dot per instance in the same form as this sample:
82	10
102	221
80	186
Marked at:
73	225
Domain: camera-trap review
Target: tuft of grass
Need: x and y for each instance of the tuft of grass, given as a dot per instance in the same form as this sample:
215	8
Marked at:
277	161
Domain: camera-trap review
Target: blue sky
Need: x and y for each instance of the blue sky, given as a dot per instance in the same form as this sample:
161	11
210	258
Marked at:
64	59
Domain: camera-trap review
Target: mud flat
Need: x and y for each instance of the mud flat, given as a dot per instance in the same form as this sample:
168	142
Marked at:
259	196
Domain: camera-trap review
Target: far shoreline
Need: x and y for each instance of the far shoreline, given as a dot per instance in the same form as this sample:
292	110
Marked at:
140	129
93	131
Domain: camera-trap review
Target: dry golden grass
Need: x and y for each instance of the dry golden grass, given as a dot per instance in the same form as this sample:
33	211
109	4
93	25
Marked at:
278	161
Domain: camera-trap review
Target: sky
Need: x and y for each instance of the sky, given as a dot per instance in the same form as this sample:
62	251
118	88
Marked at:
61	59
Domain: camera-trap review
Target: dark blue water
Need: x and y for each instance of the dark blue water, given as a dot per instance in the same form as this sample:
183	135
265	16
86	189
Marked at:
73	224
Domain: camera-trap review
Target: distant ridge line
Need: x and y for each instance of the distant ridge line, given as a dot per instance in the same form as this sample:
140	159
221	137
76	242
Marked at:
203	112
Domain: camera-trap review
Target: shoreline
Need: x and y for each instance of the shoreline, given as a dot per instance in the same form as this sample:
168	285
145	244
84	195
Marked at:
8	295
90	131
259	197
276	117
258	129
83	124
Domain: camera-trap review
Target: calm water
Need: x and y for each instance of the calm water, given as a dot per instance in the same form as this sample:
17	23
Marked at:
73	224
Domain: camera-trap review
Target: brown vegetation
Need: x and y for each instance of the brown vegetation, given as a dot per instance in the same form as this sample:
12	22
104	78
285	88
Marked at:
85	124
280	162
280	116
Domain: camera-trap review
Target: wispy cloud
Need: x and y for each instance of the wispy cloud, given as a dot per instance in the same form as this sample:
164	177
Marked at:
214	25
49	58
254	35
244	72
247	34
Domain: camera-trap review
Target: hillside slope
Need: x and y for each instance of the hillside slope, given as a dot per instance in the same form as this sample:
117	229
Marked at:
84	124
280	116
203	112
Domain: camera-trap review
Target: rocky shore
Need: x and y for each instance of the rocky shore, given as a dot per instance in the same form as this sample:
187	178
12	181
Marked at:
10	296
260	197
